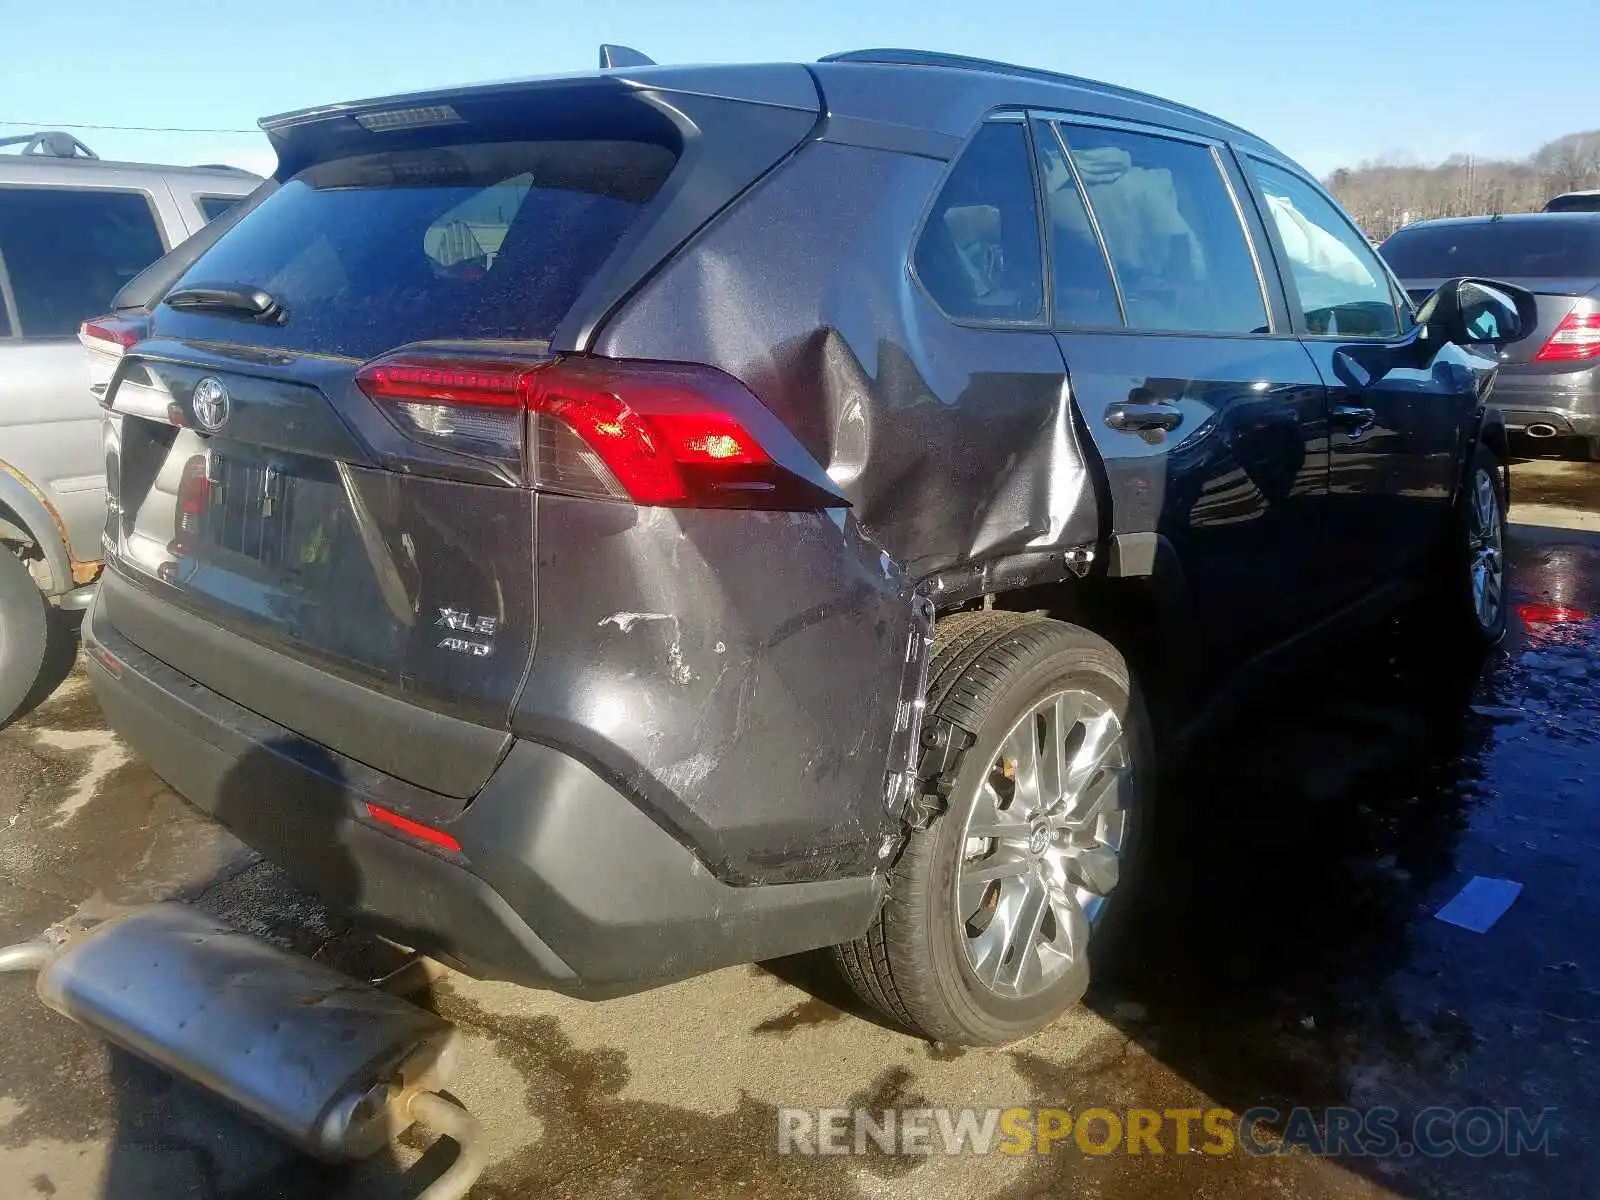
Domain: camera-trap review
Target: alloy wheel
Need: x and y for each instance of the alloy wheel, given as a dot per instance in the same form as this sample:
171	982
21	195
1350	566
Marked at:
1043	843
1486	550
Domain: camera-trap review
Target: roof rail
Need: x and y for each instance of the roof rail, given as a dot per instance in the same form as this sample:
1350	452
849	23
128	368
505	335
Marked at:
50	143
889	56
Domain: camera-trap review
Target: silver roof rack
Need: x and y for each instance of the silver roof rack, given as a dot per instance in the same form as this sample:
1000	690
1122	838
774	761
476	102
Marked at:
50	143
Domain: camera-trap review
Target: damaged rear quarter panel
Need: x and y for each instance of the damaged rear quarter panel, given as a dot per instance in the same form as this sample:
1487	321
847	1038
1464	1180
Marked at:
735	672
957	446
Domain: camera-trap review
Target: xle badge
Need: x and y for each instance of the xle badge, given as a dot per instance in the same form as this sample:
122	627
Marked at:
459	622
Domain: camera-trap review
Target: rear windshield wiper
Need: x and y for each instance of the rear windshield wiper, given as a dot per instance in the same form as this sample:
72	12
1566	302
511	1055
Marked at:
230	299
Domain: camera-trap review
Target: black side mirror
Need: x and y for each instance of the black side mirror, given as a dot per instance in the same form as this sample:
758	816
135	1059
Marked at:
1479	312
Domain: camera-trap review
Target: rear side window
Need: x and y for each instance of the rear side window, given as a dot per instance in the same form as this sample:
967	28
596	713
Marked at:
1511	249
462	242
212	207
67	251
1085	296
1341	281
979	256
1173	232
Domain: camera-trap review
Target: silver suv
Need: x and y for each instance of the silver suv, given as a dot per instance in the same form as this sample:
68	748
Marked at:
73	230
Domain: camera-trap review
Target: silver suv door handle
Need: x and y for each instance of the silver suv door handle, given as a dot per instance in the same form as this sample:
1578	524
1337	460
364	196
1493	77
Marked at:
1353	419
1136	418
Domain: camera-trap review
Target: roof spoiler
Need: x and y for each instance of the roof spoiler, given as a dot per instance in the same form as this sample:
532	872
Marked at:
622	56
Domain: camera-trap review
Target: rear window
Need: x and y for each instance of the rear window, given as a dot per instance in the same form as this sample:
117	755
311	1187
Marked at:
484	241
1533	249
1575	202
212	207
67	251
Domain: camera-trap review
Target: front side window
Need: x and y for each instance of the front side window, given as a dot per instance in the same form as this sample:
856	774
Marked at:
1173	232
69	250
979	255
1343	287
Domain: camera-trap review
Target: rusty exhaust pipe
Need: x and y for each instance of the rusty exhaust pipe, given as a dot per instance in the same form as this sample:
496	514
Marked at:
337	1067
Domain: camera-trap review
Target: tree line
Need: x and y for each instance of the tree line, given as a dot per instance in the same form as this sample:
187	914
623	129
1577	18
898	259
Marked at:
1386	193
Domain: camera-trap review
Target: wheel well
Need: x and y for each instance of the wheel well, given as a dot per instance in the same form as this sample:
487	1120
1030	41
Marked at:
1128	613
15	534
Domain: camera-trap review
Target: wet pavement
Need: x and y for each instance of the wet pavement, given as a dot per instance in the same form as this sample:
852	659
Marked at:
1289	956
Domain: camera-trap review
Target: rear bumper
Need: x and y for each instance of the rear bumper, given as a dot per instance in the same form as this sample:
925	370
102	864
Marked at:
560	881
1569	402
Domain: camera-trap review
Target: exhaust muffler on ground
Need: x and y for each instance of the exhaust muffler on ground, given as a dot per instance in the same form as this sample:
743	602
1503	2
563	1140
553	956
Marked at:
337	1067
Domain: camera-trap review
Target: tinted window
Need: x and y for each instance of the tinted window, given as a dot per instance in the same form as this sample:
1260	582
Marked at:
1172	230
1575	202
1342	284
1080	277
1499	249
979	253
212	207
68	250
456	242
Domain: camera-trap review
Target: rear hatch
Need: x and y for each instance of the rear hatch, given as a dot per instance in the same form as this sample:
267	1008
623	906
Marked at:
264	500
1555	258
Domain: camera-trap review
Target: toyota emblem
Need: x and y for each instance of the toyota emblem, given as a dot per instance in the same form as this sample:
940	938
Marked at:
212	404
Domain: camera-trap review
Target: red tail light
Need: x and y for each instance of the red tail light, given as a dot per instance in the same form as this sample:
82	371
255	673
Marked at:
665	434
194	494
113	335
1576	339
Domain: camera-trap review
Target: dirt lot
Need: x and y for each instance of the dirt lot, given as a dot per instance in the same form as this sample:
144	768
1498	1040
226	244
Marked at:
1292	959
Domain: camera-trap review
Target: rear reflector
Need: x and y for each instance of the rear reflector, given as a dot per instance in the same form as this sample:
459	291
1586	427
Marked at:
654	433
108	660
415	829
1576	339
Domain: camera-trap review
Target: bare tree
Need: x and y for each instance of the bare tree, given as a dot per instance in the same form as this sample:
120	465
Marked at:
1392	190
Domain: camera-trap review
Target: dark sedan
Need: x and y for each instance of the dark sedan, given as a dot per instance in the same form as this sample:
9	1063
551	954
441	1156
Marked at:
1549	383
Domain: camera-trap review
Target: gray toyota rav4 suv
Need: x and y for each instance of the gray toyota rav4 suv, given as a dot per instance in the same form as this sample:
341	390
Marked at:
608	527
74	229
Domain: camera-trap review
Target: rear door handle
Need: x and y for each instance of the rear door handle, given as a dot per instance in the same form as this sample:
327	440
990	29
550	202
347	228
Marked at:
1353	419
1137	418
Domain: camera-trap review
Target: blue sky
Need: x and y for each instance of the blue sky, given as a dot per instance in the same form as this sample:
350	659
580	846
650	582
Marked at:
1330	84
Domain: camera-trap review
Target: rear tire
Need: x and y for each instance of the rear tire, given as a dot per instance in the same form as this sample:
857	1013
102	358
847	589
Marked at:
1043	856
1589	450
24	633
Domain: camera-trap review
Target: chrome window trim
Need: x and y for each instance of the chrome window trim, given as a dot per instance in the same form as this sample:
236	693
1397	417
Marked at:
1217	147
